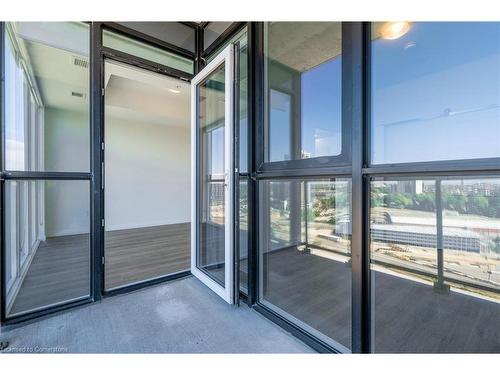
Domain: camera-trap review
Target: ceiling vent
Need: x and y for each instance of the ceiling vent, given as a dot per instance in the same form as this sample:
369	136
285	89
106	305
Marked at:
76	94
80	62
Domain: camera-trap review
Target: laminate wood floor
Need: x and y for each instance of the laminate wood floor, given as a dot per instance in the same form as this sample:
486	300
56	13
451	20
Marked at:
60	269
134	255
408	316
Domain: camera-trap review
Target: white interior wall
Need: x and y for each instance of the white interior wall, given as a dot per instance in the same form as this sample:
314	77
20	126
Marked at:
66	141
67	209
147	173
147	177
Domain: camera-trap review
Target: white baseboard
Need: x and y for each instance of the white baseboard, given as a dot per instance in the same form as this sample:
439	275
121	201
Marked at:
141	225
69	232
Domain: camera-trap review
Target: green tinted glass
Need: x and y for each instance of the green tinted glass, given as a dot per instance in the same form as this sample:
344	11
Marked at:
145	51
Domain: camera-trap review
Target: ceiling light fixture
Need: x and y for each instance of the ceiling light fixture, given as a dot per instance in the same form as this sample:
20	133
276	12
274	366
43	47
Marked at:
394	30
176	90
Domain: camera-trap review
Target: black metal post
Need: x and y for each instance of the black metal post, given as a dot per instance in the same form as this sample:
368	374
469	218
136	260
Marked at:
439	285
255	121
354	41
97	156
199	61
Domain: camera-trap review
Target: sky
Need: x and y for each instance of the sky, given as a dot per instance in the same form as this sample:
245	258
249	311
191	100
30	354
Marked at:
436	93
320	113
435	96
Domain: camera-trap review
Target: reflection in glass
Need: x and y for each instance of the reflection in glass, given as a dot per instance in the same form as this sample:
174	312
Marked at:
241	39
175	33
146	51
213	30
436	85
305	254
435	251
211	188
243	105
47	109
303	67
46	244
243	240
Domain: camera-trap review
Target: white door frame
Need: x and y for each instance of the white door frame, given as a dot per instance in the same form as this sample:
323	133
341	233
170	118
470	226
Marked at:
225	57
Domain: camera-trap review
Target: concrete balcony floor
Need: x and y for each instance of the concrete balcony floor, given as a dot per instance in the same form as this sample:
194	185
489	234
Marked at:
182	316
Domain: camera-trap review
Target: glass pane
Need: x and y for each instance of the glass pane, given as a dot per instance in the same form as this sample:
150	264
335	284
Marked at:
146	51
243	210
212	31
147	157
243	104
211	188
304	70
435	84
305	252
47	109
241	38
435	260
47	243
171	32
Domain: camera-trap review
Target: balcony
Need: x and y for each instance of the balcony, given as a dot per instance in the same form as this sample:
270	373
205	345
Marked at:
183	316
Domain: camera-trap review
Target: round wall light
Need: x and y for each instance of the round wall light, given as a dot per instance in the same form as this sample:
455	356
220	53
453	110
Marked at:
394	30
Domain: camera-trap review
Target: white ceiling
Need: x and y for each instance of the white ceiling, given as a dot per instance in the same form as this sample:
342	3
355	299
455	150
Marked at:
136	94
131	93
57	77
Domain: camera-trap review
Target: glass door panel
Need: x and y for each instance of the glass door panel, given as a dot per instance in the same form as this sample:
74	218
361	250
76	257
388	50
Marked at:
212	182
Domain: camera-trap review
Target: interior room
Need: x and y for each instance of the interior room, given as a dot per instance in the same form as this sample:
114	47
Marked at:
147	151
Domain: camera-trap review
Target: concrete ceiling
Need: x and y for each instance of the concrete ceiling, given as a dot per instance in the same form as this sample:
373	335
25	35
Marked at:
304	45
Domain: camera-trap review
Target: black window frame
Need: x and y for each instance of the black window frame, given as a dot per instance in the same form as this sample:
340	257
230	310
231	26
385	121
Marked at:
356	115
6	175
356	112
148	40
101	54
323	165
228	33
347	165
479	167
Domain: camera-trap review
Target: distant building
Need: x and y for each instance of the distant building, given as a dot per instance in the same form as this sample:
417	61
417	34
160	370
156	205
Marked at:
416	235
408	187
